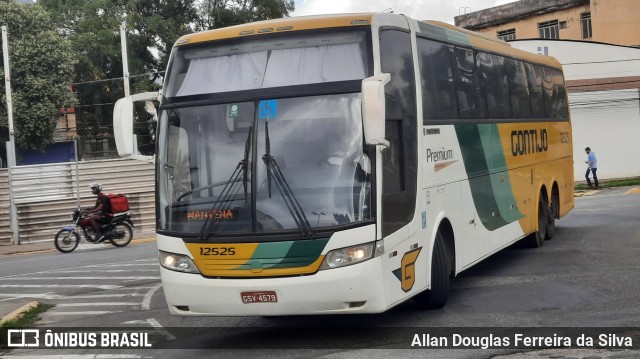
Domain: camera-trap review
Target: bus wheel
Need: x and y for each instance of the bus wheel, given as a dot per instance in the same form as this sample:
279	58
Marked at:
553	213
436	297
536	239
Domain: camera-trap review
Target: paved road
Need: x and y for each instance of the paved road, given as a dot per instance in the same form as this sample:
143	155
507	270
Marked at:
586	276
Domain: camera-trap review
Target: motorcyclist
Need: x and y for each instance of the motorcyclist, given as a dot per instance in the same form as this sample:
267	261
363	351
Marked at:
100	213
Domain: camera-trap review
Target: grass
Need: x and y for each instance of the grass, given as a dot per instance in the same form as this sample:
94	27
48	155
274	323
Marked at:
27	320
611	183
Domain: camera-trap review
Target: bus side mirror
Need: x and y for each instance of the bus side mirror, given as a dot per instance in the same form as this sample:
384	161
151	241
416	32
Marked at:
123	124
373	109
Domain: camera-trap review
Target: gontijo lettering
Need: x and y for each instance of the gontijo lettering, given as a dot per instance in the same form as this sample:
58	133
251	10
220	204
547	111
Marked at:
524	142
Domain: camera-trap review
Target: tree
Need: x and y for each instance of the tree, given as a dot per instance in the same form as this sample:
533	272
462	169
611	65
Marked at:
41	65
215	14
93	27
153	26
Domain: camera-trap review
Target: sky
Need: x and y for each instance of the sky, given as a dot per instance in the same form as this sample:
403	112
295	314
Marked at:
441	10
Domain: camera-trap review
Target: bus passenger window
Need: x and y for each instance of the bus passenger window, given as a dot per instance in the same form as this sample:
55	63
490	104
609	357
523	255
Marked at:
465	82
534	77
494	84
518	88
549	100
560	95
436	75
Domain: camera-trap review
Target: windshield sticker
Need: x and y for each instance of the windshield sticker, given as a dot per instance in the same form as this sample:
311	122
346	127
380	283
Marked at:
233	110
268	109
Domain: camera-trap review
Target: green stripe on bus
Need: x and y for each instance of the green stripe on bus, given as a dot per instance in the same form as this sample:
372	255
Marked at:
477	161
287	254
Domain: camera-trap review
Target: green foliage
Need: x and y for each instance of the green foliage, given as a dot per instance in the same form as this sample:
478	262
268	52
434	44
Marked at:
153	26
42	65
93	27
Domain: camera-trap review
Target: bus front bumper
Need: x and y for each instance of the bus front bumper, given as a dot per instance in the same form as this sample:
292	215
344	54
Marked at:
353	289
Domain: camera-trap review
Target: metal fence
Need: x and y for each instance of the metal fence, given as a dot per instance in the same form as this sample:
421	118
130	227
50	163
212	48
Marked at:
45	195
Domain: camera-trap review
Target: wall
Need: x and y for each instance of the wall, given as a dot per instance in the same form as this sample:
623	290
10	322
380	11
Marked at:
612	21
616	21
45	195
604	100
528	28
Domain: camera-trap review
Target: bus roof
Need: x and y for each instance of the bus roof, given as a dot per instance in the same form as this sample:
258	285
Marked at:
341	20
277	25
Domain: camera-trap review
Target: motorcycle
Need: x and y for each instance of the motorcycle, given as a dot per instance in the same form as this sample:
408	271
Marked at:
119	231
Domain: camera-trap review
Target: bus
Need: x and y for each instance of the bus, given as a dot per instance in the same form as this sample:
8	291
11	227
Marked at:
347	163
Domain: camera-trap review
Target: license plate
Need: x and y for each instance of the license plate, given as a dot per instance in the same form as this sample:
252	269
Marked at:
259	297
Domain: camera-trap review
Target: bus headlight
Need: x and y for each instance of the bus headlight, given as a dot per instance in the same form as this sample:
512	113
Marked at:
347	256
177	262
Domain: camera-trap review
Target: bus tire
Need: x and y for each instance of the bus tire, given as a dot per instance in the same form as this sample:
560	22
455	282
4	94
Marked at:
553	213
436	297
536	239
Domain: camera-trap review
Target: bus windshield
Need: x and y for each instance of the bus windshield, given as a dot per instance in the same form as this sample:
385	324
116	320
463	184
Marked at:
268	61
263	166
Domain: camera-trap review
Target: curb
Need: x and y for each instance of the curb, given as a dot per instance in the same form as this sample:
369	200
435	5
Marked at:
635	190
587	193
19	313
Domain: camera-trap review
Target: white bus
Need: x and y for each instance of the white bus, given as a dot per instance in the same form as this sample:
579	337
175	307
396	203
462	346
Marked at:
347	163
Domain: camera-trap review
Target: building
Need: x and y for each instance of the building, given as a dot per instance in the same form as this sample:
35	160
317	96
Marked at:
608	21
598	44
62	149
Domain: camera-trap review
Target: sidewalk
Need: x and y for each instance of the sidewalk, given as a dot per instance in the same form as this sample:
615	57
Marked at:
48	246
9	305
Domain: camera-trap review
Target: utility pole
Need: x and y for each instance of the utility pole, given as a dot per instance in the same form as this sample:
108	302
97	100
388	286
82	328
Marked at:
11	145
125	59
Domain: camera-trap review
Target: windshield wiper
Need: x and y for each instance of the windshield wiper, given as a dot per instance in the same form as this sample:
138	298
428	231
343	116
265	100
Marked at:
273	171
223	203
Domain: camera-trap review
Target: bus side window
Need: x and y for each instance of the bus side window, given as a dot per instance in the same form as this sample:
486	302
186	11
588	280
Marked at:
518	88
400	163
560	95
494	85
549	101
470	104
436	76
534	77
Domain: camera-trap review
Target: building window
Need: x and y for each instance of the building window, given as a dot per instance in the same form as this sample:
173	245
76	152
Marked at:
549	30
585	20
507	35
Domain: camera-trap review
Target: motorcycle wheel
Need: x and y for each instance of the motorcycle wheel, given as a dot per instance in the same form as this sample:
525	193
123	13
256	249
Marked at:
66	240
121	235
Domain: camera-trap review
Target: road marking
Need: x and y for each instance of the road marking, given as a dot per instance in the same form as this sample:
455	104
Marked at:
98	312
154	323
635	190
52	295
69	268
124	265
110	270
146	302
84	278
77	356
95	304
60	286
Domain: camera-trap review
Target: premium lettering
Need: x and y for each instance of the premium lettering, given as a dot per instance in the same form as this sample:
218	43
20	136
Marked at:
439	155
